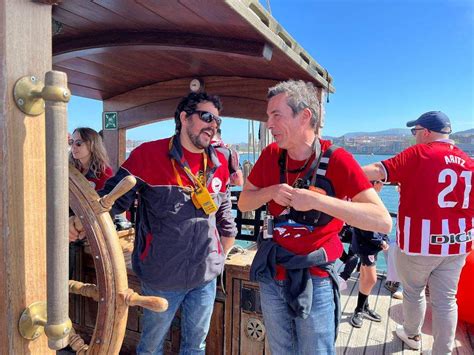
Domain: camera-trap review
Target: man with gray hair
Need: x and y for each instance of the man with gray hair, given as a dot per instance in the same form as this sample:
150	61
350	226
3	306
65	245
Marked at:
309	187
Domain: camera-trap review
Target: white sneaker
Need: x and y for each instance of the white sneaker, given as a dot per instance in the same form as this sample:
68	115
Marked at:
342	283
398	294
395	288
413	342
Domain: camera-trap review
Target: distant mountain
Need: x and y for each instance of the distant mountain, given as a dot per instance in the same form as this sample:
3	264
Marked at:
400	132
394	132
467	132
387	132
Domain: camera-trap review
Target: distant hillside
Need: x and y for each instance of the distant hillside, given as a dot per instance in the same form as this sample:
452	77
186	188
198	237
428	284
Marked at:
395	132
387	132
467	132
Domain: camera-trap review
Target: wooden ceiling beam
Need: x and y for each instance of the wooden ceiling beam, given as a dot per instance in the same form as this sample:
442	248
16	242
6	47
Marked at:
236	107
110	42
241	98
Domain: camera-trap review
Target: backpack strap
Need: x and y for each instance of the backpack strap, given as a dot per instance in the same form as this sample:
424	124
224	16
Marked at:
323	164
316	147
227	155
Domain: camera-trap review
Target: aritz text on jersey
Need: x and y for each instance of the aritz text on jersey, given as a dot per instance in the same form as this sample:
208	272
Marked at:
452	238
454	159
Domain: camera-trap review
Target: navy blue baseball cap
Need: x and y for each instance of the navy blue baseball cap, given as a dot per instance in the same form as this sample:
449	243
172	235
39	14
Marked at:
435	121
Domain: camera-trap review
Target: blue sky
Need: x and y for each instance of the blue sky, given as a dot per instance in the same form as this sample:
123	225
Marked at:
391	60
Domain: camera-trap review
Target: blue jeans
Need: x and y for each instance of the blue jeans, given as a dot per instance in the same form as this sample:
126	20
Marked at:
288	335
196	311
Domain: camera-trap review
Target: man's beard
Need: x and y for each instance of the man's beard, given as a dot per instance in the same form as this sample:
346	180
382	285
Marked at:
197	140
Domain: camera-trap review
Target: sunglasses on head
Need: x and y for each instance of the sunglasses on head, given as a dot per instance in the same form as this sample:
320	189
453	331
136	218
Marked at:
77	143
208	117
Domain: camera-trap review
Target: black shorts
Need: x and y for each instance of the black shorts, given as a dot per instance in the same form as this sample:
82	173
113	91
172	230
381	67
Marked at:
368	260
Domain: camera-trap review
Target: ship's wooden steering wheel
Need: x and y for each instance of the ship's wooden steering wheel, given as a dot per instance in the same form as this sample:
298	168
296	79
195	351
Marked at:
111	293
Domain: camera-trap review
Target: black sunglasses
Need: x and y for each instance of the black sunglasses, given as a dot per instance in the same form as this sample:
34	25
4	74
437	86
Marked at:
208	117
77	143
413	130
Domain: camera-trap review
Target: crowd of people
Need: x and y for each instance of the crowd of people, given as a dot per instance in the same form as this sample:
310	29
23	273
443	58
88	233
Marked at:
310	188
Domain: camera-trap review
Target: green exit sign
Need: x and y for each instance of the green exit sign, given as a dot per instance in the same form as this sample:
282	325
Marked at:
110	120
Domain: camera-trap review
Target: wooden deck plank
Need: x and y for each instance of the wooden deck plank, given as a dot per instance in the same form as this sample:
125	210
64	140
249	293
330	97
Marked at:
345	328
393	345
380	338
470	333
462	343
380	301
426	329
342	340
356	337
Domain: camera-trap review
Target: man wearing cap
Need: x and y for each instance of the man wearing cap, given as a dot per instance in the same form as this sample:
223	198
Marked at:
435	226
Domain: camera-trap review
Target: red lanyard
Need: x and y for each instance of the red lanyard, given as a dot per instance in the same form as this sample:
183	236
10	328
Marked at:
188	171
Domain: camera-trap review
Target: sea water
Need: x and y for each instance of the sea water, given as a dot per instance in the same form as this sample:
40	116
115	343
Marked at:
390	198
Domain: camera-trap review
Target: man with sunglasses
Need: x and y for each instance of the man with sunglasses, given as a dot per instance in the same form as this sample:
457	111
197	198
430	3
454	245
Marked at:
435	226
306	184
184	223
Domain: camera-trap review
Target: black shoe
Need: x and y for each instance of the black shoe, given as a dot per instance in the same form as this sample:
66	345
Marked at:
372	315
357	319
392	286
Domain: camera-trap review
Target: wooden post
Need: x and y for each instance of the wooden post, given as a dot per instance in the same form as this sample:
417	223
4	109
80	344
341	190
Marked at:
115	145
25	49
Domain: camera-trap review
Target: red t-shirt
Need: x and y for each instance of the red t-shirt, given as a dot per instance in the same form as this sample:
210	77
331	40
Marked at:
347	179
436	211
151	162
196	164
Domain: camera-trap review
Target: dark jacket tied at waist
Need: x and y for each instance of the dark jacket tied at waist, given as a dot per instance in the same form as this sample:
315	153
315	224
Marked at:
299	289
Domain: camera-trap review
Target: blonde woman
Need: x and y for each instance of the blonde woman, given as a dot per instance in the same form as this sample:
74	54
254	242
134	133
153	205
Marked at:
89	156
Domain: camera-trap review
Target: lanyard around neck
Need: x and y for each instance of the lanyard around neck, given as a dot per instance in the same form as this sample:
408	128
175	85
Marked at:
185	166
283	163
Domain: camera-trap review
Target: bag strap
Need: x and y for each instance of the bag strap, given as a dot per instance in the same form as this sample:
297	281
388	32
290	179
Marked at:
323	164
316	147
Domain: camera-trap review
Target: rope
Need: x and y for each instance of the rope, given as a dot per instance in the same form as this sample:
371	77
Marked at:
327	80
249	140
238	249
268	7
253	140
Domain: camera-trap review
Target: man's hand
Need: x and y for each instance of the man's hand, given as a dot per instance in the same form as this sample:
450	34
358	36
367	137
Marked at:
385	245
282	193
227	243
234	160
76	230
303	199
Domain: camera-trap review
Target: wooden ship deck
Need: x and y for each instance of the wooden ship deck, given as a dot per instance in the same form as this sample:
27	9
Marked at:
233	312
372	338
380	338
237	308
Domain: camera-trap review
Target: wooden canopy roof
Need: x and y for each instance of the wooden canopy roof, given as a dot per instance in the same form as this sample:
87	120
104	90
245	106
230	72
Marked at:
111	49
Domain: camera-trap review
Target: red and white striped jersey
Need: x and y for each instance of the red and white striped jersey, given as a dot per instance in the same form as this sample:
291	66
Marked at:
436	211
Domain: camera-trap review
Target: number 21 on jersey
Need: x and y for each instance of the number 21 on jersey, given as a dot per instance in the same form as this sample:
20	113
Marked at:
451	176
